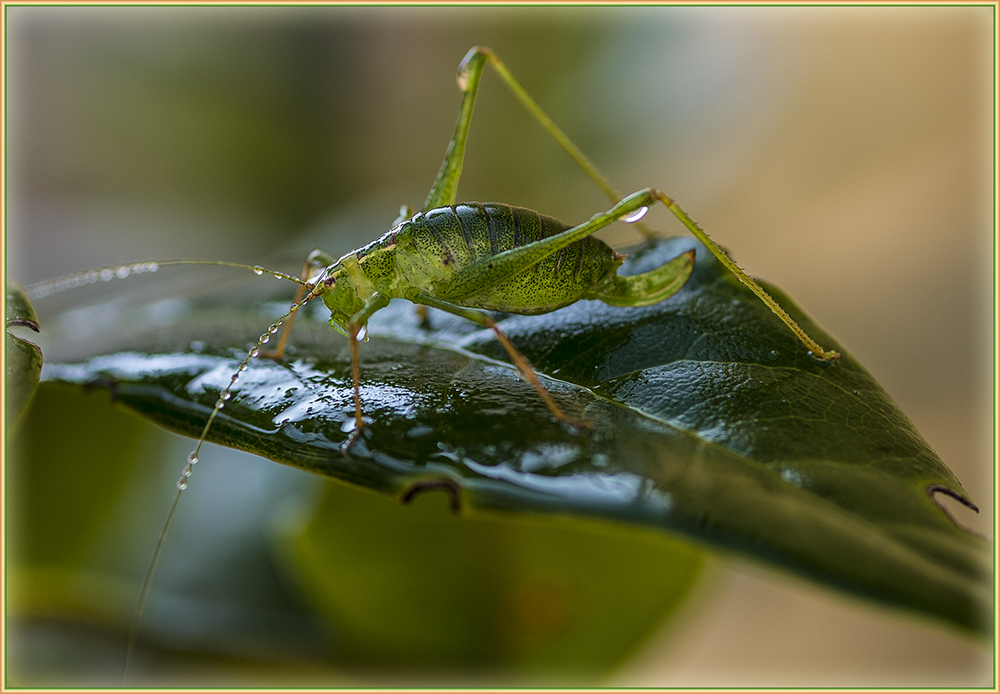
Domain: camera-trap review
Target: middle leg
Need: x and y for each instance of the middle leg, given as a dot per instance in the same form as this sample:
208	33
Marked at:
520	361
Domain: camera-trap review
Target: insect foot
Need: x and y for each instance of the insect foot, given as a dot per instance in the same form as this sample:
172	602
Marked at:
356	443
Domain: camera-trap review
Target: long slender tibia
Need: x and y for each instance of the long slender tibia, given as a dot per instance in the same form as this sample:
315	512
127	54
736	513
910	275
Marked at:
631	207
40	290
814	348
192	460
469	73
520	361
316	260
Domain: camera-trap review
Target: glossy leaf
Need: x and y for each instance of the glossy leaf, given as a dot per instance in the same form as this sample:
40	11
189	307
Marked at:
709	420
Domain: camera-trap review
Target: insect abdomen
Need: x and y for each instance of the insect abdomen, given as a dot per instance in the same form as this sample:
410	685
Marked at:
447	239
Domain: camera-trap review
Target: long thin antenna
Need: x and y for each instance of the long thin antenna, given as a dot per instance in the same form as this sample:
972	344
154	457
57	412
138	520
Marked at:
40	290
316	289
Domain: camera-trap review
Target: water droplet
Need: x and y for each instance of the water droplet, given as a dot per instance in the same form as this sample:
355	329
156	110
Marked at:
635	216
363	334
153	267
182	484
192	459
264	340
107	275
123	272
254	352
818	359
197	345
226	395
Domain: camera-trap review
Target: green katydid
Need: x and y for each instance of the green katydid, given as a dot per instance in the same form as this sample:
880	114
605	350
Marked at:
467	259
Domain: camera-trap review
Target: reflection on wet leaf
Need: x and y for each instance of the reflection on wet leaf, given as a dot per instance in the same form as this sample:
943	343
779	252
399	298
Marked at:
709	421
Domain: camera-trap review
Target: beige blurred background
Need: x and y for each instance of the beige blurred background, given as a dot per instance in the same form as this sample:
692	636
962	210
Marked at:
844	154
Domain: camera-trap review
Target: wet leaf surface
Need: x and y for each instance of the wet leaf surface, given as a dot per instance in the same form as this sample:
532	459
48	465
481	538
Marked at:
708	420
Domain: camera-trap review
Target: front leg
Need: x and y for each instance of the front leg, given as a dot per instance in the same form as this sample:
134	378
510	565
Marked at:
358	322
316	260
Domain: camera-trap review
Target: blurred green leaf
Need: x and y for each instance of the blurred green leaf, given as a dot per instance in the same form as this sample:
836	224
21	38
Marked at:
418	586
709	421
23	357
91	449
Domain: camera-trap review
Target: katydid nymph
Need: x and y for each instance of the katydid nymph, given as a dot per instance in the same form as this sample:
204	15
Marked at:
468	259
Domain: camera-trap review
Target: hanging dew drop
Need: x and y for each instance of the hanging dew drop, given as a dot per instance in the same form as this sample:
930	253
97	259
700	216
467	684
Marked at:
258	270
192	459
635	216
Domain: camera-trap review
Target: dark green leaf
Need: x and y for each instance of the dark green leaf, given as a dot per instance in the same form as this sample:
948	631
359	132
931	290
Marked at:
709	420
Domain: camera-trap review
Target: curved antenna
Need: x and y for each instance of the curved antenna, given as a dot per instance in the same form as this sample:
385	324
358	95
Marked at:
316	289
40	290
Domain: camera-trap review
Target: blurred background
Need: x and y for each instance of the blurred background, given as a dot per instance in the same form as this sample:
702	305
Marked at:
844	154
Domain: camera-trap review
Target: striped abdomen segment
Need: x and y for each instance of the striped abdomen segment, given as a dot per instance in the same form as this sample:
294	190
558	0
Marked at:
432	246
